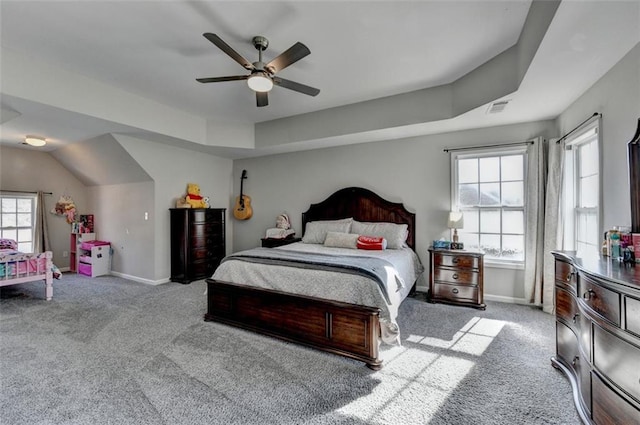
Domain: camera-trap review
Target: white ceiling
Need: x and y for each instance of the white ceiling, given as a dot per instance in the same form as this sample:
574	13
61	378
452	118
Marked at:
360	50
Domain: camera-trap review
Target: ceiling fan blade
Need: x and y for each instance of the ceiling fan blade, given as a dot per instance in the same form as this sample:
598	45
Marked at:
228	50
262	98
292	85
219	79
286	58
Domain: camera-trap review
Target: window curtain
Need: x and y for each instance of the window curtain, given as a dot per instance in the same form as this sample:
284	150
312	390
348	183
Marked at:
41	237
553	230
534	221
543	220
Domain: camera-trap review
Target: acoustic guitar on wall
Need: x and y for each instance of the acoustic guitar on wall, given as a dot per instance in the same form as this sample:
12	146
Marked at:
242	210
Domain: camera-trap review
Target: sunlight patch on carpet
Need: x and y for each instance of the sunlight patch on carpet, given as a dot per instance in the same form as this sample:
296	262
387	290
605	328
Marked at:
473	338
414	384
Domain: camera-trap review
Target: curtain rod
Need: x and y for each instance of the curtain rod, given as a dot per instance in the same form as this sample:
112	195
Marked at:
24	191
529	142
595	114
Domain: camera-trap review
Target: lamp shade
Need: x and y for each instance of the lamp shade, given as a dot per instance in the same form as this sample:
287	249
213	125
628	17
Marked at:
456	220
259	81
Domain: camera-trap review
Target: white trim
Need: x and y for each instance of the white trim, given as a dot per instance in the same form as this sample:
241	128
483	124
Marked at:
492	151
503	299
140	279
494	264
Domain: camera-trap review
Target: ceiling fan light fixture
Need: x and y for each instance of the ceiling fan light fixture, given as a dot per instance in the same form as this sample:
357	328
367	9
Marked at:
260	82
35	141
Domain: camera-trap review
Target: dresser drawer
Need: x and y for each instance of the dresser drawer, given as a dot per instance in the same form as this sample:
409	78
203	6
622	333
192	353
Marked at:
609	408
207	215
205	268
566	344
601	300
632	314
566	307
456	276
618	360
199	230
454	292
453	260
565	273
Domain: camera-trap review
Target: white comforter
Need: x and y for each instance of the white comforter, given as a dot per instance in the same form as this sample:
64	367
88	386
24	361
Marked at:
345	287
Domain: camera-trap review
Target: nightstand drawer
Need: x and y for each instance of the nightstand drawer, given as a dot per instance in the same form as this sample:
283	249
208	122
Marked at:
452	260
455	292
456	276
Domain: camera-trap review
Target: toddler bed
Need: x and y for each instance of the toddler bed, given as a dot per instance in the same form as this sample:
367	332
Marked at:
18	267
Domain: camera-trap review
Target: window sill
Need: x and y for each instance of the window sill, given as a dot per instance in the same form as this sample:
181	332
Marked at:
493	264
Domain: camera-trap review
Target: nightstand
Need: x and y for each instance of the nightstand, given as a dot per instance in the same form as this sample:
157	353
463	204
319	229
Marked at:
275	242
455	277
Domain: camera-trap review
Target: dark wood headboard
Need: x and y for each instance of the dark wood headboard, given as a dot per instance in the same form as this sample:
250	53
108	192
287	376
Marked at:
363	205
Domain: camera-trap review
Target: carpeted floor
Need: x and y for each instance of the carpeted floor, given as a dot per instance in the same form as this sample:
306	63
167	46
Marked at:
110	351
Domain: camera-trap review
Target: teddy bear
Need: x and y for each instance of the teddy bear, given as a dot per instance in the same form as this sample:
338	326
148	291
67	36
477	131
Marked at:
182	202
193	197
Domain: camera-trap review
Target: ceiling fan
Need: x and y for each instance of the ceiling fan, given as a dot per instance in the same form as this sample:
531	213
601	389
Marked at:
262	77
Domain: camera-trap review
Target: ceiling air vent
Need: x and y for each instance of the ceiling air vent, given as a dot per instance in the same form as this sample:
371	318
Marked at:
497	107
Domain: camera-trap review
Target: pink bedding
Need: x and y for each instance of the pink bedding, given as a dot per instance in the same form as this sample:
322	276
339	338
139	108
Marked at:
31	266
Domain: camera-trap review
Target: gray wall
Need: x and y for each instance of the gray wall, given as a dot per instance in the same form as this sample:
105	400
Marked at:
617	96
171	168
413	171
30	170
120	219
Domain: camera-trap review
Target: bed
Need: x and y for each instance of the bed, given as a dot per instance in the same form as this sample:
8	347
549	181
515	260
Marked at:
17	267
352	327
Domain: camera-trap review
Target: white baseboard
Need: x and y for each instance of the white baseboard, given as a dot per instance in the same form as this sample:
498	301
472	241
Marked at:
140	279
503	299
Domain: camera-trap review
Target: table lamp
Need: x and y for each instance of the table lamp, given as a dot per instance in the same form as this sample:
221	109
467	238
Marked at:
456	221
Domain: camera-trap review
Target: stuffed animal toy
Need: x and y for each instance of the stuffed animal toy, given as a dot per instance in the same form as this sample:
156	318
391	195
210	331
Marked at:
283	222
193	197
205	199
182	203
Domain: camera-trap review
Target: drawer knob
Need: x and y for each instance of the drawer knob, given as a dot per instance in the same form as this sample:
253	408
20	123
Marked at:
570	276
455	290
575	317
587	295
455	276
575	360
455	260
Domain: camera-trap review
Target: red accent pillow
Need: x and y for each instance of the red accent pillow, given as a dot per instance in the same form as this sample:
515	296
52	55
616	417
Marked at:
371	243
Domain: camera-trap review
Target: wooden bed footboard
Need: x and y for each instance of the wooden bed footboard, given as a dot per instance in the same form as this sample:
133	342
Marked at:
336	327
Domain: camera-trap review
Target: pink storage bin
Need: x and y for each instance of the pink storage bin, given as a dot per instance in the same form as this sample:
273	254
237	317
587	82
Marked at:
85	259
90	244
84	269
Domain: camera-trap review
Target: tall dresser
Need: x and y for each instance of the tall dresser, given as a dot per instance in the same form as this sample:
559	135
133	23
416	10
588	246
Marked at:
197	242
597	304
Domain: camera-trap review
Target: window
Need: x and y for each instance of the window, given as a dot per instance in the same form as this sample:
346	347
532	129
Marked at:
17	219
489	189
582	191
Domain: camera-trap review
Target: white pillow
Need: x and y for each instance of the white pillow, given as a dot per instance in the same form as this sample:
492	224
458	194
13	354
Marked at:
395	234
316	231
341	240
